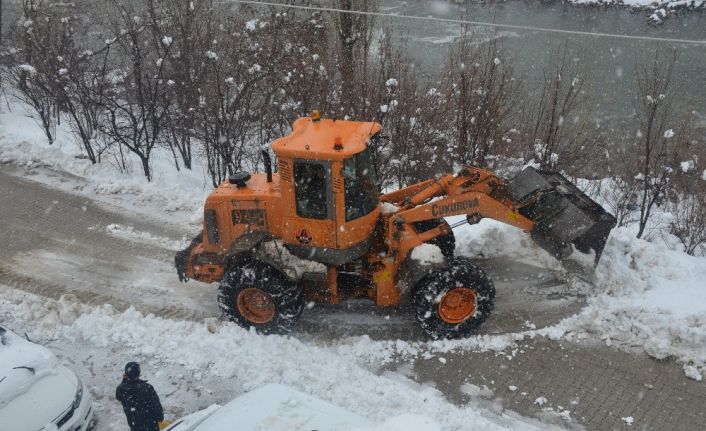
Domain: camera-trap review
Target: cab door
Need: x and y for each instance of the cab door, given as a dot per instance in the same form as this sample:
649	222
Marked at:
310	230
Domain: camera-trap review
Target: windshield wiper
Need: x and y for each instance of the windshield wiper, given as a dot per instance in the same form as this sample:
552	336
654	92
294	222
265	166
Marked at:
30	369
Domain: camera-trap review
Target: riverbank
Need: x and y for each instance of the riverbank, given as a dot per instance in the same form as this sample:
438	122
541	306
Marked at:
645	4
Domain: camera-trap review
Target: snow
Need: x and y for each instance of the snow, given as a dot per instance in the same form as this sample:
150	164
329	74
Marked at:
628	420
251	25
129	233
687	166
540	401
15	354
277	407
669	133
388	208
427	254
167	41
27	68
212	354
645	4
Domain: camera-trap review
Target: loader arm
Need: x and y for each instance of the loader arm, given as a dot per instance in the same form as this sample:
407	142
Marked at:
554	211
474	192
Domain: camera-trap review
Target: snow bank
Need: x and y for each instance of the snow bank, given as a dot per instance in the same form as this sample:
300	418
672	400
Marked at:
645	4
173	197
218	349
645	294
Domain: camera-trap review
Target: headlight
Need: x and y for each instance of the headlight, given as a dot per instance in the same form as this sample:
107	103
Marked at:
79	395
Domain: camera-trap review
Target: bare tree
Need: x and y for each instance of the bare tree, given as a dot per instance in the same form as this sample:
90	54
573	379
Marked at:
188	29
480	90
556	125
135	100
689	222
655	142
40	61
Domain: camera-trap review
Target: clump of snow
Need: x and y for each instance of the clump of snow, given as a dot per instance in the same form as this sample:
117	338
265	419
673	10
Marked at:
427	254
693	373
211	55
687	166
129	233
392	82
251	25
628	420
27	68
540	401
388	208
294	266
167	41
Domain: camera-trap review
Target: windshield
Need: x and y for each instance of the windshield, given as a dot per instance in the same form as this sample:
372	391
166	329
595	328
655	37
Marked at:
361	194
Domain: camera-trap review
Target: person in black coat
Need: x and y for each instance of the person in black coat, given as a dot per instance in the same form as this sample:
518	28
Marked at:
140	401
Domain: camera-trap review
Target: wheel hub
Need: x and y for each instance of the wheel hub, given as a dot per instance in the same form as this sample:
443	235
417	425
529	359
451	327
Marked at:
457	305
256	305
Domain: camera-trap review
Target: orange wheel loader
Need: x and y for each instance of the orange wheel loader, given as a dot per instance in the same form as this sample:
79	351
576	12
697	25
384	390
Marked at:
319	230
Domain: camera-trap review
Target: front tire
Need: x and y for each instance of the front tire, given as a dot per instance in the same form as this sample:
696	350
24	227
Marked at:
453	301
255	295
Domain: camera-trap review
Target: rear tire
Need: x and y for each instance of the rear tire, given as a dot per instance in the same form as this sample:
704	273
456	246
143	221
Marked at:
447	243
255	295
452	302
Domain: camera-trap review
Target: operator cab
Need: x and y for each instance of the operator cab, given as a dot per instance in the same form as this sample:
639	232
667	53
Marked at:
329	188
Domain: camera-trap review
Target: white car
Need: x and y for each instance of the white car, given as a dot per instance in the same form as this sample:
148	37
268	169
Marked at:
272	407
37	393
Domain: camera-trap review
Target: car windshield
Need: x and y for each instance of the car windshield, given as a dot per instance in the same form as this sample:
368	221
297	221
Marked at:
361	193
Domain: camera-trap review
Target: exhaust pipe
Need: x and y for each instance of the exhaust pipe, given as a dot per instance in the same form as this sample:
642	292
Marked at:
268	165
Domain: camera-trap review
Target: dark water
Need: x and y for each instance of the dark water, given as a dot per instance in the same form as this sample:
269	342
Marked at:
608	64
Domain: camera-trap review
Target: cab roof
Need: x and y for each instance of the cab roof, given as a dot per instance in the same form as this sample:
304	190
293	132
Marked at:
325	139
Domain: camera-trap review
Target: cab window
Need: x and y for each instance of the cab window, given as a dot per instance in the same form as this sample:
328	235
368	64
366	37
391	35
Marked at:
361	193
310	189
212	226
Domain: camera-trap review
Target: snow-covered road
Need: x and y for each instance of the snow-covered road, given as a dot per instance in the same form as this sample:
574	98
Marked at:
56	243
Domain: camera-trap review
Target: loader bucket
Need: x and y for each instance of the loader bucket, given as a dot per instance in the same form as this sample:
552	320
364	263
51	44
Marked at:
562	213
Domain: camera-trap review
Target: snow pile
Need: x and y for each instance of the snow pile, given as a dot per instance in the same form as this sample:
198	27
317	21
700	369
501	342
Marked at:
217	349
645	295
490	238
650	297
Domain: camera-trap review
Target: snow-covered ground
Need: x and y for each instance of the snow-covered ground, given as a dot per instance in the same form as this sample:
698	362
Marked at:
645	296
